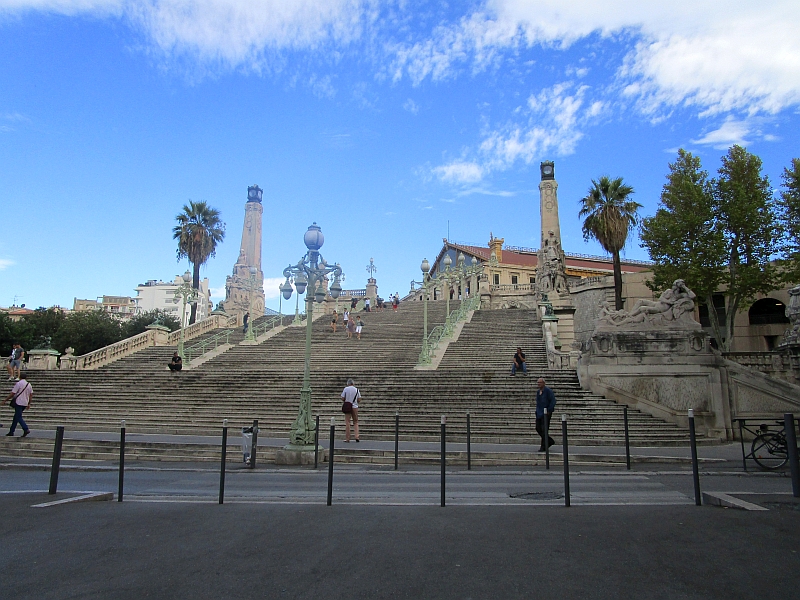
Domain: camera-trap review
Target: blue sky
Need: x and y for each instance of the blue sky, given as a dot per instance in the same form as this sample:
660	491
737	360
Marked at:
381	121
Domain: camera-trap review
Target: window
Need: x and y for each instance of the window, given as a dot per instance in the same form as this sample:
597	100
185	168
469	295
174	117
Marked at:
768	311
497	279
514	279
533	280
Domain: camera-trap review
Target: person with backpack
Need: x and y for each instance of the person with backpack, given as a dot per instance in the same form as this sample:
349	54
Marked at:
20	399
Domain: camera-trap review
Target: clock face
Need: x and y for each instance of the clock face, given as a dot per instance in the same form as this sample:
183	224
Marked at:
548	170
252	193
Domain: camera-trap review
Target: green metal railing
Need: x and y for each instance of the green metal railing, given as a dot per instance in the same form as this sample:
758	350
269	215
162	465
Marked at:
265	326
207	345
440	332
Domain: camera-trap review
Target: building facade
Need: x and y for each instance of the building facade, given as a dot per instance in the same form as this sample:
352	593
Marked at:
160	295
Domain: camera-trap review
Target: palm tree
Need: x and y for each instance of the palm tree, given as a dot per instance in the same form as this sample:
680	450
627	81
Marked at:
198	232
609	219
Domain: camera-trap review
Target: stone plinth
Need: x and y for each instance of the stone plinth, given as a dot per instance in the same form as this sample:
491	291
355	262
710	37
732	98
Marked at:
299	455
43	359
161	337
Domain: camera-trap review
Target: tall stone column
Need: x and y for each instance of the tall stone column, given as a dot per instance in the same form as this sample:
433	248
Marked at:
550	272
238	287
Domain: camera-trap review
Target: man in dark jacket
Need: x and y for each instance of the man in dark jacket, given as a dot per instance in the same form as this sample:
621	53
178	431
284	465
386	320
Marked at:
545	399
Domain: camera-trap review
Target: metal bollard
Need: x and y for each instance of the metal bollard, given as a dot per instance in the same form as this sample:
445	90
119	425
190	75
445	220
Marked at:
566	458
396	440
695	470
546	438
224	458
330	460
121	460
56	460
316	444
791	447
627	439
444	448
469	444
255	444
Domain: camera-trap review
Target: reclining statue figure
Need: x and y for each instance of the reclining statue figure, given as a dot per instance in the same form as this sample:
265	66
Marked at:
674	305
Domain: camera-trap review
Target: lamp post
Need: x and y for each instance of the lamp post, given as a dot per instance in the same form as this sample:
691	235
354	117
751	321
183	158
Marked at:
309	273
187	293
251	288
425	286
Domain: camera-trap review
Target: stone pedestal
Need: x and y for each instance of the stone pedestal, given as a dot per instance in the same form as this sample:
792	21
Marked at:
299	455
161	337
372	292
43	359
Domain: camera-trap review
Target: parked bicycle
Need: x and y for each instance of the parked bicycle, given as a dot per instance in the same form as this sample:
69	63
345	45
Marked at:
769	449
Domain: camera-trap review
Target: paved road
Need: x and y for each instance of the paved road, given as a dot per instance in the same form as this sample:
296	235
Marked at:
182	550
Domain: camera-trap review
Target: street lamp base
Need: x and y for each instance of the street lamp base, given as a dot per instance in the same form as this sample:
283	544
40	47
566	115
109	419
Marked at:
292	454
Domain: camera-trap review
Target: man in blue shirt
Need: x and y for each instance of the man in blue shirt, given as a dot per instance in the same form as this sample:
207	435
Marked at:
545	398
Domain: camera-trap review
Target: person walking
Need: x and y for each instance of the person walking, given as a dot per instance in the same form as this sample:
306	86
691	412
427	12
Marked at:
20	399
353	303
545	398
334	320
366	305
351	328
350	397
359	325
395	301
246	321
176	364
519	363
14	367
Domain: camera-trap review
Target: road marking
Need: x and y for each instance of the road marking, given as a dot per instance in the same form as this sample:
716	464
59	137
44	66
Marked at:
90	497
722	499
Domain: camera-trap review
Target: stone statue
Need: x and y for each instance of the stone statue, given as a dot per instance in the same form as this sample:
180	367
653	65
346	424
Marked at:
550	276
44	343
675	307
792	335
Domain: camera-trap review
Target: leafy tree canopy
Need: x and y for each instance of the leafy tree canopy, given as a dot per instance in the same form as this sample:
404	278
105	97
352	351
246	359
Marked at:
139	323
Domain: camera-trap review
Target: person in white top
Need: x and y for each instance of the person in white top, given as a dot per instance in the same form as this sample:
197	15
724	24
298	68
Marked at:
351	396
21	393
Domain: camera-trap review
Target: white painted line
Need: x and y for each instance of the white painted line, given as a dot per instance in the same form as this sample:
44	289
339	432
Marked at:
722	499
91	497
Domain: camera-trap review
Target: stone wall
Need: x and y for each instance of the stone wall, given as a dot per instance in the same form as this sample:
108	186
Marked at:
588	300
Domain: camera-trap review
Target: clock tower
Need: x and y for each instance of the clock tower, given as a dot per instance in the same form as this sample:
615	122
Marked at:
550	277
239	286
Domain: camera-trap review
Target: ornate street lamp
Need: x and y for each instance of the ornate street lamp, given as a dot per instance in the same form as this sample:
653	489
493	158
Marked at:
309	273
186	292
425	285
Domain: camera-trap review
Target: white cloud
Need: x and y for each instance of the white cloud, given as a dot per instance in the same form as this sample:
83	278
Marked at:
717	56
729	133
411	106
551	122
5	263
271	287
217	293
232	33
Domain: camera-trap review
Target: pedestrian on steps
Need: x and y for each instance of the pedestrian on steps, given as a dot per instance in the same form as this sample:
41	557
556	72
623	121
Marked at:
519	363
334	320
350	397
359	325
20	399
351	328
395	301
346	318
176	364
545	398
246	321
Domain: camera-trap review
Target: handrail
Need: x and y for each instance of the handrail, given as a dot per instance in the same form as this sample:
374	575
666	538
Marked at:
271	323
438	333
115	351
200	348
197	329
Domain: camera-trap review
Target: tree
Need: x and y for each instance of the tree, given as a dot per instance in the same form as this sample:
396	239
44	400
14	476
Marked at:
790	219
609	219
720	236
683	237
87	331
198	232
139	323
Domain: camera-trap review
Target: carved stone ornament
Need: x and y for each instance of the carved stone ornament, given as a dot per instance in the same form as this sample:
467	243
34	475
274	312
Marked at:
674	309
792	335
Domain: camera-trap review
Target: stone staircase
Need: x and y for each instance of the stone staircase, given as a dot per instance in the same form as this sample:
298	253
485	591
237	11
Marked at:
263	382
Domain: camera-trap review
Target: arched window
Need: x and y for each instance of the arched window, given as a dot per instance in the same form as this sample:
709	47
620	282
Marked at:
768	311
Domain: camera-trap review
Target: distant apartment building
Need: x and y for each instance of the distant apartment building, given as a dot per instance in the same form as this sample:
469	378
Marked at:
159	294
122	307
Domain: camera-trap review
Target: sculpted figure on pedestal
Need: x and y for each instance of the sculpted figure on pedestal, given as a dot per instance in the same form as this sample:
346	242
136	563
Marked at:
792	335
674	307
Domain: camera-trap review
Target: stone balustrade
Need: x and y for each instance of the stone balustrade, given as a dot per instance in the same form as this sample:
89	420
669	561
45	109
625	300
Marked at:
775	364
156	336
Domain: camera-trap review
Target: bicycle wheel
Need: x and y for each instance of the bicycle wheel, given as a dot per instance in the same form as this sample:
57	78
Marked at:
769	451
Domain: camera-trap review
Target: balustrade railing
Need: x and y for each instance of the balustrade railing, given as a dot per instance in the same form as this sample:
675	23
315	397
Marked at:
207	345
268	324
201	327
510	287
115	351
440	332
